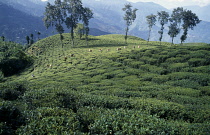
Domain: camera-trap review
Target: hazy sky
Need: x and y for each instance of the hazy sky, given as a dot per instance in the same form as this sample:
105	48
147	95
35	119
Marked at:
176	3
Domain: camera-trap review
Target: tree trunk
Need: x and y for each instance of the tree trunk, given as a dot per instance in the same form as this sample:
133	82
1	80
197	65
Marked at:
172	41
86	38
72	35
148	36
126	34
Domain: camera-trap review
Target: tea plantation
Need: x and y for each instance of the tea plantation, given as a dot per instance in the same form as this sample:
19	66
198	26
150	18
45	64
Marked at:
109	88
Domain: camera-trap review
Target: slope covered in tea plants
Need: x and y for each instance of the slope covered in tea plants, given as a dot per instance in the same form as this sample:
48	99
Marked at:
108	87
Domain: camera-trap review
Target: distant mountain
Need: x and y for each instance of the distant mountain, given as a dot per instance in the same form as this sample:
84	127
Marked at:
32	7
15	25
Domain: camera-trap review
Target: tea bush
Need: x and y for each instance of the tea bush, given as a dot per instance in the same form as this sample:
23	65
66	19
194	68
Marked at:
13	59
134	122
50	121
12	90
11	118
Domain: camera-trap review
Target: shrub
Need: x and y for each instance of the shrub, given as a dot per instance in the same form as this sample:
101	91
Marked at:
160	79
12	90
153	69
175	60
205	91
195	62
163	109
86	117
50	121
176	67
1	76
11	118
133	122
202	69
187	83
15	63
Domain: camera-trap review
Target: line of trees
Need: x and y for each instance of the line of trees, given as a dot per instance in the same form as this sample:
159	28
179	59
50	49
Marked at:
71	12
68	13
180	20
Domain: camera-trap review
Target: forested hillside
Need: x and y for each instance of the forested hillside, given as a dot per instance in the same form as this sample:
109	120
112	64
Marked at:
16	25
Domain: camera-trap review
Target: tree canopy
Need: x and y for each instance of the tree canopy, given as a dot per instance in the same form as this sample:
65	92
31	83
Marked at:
70	12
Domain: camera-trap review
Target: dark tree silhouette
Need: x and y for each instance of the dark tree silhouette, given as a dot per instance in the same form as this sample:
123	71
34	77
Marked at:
54	16
38	33
190	20
28	40
74	14
151	20
163	18
87	14
130	16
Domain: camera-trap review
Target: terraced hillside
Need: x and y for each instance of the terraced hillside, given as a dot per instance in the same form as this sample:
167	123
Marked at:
108	87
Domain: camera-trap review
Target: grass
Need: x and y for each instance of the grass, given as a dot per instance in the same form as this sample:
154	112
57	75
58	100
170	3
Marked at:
163	89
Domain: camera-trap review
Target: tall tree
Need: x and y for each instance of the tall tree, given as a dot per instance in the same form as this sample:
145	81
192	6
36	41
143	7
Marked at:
163	18
175	23
3	38
74	14
80	30
32	39
54	16
130	16
38	33
151	20
190	20
87	14
173	31
177	16
28	40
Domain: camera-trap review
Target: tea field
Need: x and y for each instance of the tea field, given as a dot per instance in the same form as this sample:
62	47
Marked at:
109	88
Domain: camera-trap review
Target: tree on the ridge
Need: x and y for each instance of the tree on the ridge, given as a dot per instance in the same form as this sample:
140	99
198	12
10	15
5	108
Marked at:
182	19
3	38
163	18
32	39
151	20
87	14
173	31
79	30
74	12
130	16
28	40
190	20
175	23
177	16
38	33
54	16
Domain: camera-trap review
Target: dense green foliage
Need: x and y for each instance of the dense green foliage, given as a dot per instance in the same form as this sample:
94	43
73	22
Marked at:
101	89
12	58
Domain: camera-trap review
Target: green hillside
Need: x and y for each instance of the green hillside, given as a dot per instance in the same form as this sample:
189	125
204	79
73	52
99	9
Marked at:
109	88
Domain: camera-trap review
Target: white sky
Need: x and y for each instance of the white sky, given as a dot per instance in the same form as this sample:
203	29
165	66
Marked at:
176	3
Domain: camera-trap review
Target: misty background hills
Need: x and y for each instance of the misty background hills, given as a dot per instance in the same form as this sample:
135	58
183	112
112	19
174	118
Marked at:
20	18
